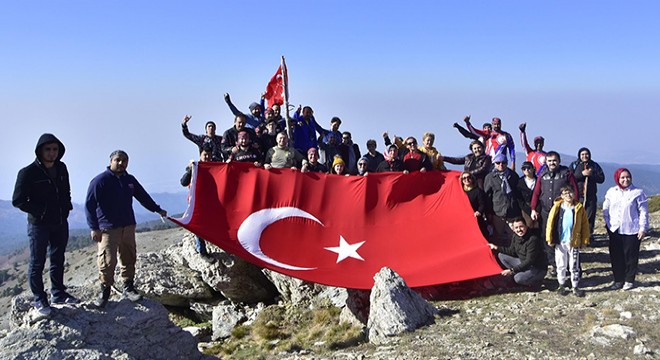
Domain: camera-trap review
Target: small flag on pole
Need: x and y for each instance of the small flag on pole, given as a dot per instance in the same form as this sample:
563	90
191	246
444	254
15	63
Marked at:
276	87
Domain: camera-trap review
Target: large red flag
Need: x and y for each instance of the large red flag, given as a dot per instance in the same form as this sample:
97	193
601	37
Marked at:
275	88
338	230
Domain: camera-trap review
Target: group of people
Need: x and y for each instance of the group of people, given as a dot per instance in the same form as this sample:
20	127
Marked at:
544	216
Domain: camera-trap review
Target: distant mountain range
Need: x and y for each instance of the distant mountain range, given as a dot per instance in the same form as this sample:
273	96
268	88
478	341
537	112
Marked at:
13	222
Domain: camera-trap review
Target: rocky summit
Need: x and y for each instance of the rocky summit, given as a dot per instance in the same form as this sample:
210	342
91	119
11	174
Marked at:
239	307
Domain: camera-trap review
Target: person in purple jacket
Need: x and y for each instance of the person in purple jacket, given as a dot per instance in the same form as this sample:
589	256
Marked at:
109	211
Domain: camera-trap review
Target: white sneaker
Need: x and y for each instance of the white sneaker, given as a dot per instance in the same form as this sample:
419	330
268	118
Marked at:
628	285
616	286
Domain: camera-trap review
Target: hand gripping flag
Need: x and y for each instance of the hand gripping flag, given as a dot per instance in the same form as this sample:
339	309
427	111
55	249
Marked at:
340	230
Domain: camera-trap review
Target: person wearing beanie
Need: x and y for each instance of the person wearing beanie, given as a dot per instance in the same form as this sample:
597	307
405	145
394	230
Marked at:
626	215
338	166
43	192
312	163
256	116
210	138
536	155
244	151
588	174
501	187
363	165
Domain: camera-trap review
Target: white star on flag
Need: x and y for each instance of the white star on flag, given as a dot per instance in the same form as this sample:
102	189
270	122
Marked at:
344	250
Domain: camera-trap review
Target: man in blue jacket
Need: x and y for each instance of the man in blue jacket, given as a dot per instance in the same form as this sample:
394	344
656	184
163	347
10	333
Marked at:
43	191
109	210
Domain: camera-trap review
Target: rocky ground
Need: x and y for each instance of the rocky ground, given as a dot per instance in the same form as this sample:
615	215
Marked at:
504	324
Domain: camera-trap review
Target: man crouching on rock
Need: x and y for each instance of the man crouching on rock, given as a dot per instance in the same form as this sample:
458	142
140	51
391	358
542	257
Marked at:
109	210
525	258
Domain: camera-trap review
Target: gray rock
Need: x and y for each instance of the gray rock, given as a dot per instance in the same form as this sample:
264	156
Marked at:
356	311
123	330
304	293
395	308
641	349
235	278
225	318
161	279
613	331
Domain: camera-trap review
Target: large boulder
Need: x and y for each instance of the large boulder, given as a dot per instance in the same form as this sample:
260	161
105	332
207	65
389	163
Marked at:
123	330
395	308
235	278
304	293
162	279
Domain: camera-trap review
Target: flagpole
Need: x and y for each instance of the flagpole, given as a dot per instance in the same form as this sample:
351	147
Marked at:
285	86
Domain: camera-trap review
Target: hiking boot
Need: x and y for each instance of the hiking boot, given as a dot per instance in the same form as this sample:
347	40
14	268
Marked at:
578	292
562	290
130	293
102	300
616	286
65	299
628	285
42	307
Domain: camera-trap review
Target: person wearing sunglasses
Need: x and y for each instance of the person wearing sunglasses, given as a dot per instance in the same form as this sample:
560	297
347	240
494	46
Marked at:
501	187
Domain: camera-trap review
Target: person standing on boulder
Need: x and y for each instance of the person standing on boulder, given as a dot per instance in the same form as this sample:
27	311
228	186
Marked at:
43	191
109	210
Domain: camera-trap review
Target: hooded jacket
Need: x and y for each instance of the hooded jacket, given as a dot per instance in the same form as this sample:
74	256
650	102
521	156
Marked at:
44	197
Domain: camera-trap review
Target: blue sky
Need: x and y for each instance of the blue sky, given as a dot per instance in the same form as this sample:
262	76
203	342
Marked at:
103	75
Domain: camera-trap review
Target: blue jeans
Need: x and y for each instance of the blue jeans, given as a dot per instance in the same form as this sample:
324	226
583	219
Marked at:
530	277
200	245
51	240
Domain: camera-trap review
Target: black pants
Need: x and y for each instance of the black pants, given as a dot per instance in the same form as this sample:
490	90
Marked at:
48	241
624	256
590	206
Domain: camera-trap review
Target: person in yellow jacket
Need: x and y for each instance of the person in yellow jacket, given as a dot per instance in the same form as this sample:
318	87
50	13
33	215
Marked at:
568	231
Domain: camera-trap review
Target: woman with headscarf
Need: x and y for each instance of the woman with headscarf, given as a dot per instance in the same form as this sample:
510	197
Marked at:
478	200
625	212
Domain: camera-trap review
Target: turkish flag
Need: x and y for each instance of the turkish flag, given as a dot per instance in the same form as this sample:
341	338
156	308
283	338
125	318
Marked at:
275	88
340	230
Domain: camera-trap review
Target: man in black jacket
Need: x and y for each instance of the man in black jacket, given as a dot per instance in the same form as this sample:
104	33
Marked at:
587	175
525	259
42	191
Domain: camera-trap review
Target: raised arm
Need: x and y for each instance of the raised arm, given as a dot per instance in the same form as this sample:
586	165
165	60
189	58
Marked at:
234	109
523	138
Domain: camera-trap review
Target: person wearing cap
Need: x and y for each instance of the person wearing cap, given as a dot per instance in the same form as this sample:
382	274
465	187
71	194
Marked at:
526	185
267	137
497	140
588	174
210	138
43	192
110	216
282	155
230	137
256	115
536	155
243	151
392	161
476	163
374	157
312	163
501	186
